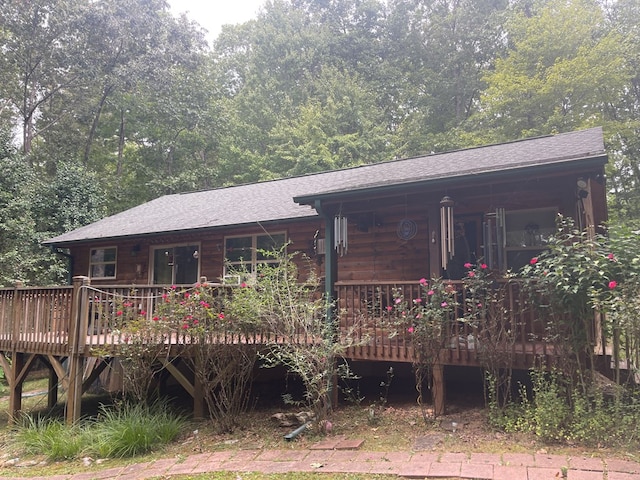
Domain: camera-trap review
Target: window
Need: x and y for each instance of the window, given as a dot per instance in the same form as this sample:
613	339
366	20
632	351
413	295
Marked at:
527	233
102	262
176	264
512	238
244	254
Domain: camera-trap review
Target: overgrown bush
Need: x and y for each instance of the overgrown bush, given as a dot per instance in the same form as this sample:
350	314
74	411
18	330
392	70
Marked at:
299	334
595	418
219	343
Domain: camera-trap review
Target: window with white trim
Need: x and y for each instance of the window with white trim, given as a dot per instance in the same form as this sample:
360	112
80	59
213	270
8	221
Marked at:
102	262
243	254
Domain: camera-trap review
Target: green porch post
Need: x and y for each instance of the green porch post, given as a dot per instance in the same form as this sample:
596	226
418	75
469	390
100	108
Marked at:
330	259
330	266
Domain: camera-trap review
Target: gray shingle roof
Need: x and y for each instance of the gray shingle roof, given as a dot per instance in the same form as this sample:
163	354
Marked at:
274	200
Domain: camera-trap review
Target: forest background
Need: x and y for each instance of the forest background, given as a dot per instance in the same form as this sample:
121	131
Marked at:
105	104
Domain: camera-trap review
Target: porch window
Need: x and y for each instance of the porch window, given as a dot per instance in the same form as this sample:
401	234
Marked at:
102	262
515	237
244	254
176	264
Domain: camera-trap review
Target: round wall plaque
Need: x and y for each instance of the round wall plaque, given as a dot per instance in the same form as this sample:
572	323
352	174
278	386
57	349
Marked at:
407	229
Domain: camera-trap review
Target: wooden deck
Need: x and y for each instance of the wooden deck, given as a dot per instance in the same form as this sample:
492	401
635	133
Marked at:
519	335
68	328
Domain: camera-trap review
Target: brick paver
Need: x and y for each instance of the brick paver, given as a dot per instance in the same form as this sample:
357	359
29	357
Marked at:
446	469
584	475
622	476
518	459
543	473
508	472
476	471
586	463
407	464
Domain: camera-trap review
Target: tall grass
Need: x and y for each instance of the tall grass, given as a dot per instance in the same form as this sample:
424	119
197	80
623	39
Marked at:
123	431
51	437
133	429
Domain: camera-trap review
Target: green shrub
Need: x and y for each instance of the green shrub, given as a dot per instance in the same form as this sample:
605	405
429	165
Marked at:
550	410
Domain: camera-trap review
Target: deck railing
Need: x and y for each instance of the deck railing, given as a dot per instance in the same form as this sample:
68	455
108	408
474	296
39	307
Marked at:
512	329
35	319
57	321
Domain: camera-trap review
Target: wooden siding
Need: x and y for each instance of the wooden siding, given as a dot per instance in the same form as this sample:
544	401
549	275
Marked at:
134	262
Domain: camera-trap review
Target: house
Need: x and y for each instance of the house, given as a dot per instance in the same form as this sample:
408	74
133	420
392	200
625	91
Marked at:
502	199
369	228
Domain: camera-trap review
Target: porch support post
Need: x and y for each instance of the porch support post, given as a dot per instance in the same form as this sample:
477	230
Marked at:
330	268
438	390
330	265
77	339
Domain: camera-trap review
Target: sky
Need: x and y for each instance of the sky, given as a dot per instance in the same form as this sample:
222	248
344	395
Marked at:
212	14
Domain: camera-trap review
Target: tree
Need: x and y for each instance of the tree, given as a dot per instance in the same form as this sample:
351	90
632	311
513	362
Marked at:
564	68
41	60
21	256
440	52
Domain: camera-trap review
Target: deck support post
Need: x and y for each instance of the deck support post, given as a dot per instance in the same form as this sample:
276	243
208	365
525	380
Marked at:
15	385
77	339
198	388
438	390
52	395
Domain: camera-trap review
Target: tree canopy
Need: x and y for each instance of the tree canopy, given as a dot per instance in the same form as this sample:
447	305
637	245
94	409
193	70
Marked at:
127	101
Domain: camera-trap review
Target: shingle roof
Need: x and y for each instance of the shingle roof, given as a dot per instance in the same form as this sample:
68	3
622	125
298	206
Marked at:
274	200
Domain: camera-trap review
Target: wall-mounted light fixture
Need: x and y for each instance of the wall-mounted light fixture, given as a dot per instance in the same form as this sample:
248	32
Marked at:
583	187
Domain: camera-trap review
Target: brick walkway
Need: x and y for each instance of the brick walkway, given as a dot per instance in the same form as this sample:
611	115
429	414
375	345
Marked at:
419	465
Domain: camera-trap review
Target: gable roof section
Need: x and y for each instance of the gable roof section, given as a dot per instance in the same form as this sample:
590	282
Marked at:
287	199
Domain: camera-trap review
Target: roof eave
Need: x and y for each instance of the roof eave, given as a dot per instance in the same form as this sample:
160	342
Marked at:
80	241
587	163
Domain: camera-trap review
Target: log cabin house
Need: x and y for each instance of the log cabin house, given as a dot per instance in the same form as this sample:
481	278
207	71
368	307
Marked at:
370	229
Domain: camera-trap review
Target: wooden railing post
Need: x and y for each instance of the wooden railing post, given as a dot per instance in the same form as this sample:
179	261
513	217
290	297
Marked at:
17	358
16	313
77	340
